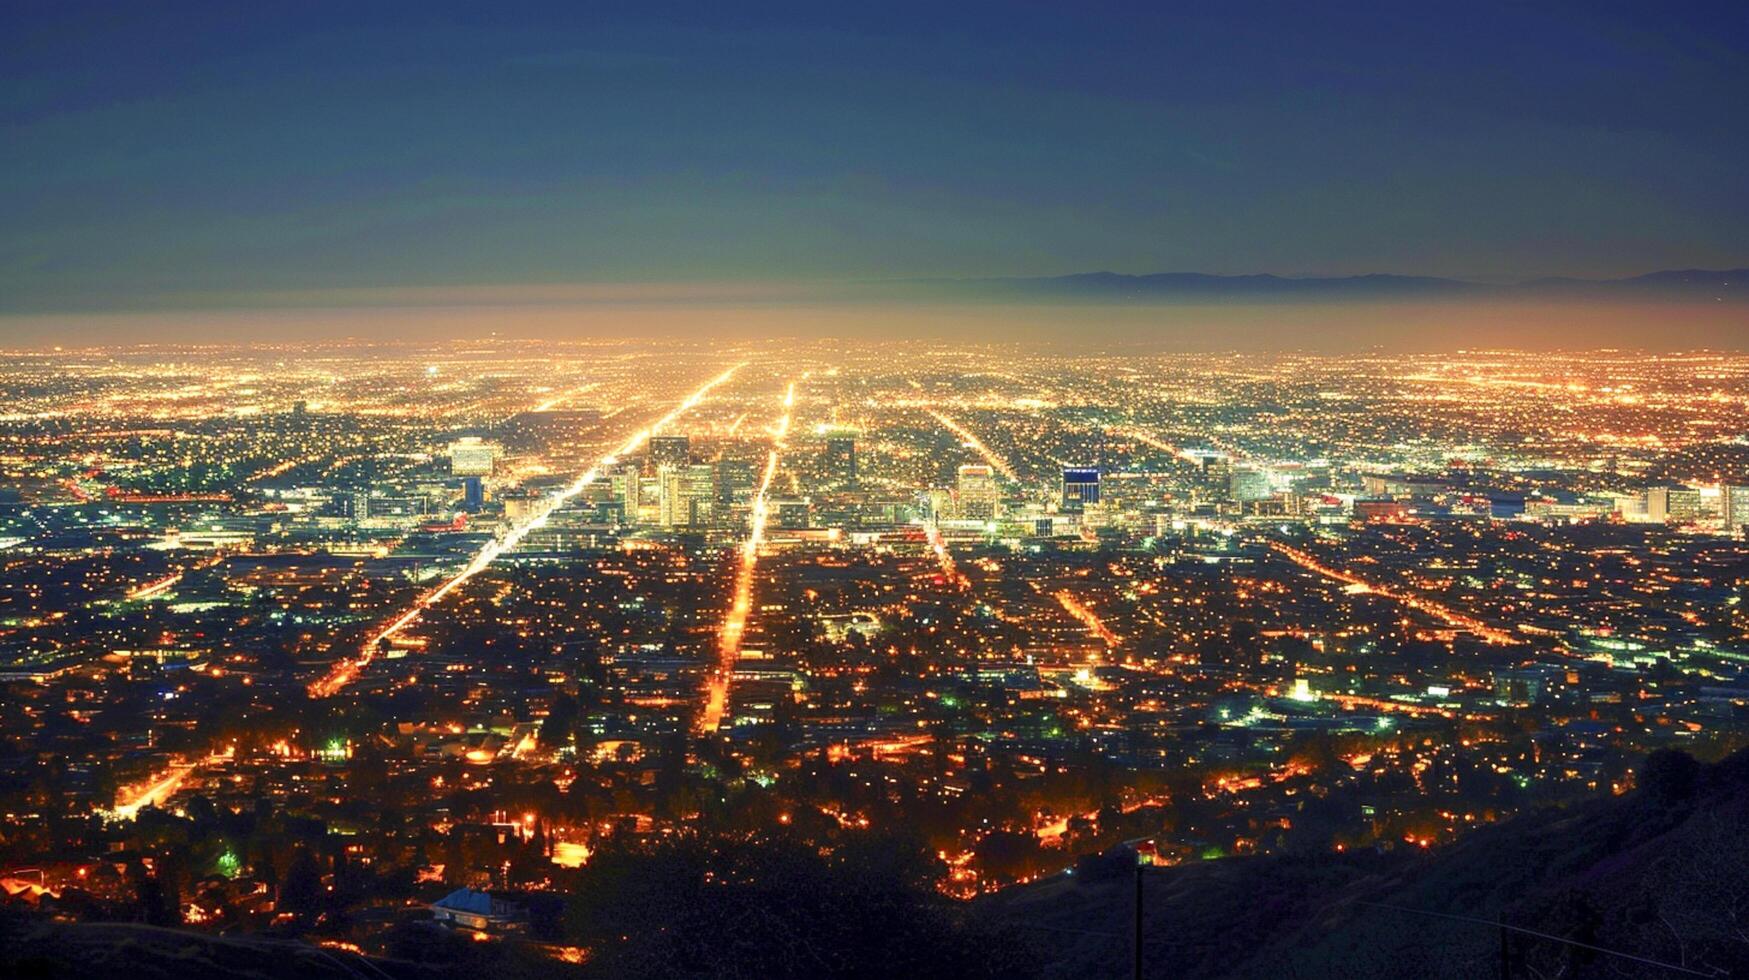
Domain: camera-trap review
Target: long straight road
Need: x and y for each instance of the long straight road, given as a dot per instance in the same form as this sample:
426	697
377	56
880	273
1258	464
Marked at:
716	694
345	671
970	438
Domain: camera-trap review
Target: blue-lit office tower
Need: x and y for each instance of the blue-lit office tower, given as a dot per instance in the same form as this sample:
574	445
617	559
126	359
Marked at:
1080	488
473	494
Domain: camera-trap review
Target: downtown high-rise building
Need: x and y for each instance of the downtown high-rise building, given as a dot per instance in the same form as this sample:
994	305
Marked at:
734	478
672	451
670	496
1246	484
977	493
1080	487
1734	508
685	495
472	456
473	494
1672	505
839	460
628	488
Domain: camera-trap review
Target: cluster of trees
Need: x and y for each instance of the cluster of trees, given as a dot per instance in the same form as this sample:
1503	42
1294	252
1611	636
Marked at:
775	906
239	869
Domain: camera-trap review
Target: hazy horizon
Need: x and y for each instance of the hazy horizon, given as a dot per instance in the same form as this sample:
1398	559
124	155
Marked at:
1334	327
792	490
330	157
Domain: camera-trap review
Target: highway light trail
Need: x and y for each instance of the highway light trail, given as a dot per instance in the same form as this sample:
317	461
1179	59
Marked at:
1436	610
967	437
155	793
1178	452
1088	618
281	469
557	400
164	785
157	588
1138	435
344	672
938	544
716	699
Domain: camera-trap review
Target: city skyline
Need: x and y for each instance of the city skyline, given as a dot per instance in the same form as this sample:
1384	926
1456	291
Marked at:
394	647
996	490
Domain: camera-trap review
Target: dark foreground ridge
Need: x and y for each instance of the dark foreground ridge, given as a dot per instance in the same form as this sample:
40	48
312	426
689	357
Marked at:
40	948
1661	873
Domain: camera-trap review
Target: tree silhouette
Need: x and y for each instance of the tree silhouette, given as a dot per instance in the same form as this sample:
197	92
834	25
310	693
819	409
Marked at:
302	891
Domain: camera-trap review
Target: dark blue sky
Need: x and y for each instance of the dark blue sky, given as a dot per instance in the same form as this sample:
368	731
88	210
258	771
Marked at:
153	150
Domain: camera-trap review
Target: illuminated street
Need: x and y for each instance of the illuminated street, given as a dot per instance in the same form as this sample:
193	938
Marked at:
871	491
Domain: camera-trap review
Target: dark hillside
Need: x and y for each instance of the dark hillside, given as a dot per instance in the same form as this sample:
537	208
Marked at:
1662	873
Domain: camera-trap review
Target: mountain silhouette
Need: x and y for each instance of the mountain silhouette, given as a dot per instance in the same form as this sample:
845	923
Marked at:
1727	285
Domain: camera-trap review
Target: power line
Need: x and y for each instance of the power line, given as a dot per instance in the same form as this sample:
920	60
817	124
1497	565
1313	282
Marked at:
1079	932
1474	920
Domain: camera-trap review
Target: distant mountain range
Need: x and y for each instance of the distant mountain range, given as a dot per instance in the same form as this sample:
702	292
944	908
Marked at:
1728	285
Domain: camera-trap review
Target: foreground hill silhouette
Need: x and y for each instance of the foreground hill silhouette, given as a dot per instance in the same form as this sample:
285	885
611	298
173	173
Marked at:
1660	873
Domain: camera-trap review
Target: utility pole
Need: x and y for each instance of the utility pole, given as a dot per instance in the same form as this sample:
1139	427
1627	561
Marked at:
1138	930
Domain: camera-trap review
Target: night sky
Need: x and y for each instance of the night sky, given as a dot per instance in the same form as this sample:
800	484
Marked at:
154	153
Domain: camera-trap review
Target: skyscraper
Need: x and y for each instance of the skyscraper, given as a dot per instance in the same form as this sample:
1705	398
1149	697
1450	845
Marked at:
684	495
698	482
1246	484
734	481
471	456
977	493
840	460
1080	488
1211	467
670	451
629	488
473	494
1734	508
1672	505
671	506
